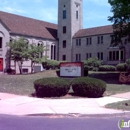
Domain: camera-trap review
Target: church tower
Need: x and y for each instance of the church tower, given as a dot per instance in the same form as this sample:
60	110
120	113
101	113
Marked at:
70	21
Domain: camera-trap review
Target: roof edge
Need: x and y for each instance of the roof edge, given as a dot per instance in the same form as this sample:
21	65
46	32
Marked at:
18	34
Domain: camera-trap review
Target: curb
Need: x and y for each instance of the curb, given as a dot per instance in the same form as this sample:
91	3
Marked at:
77	115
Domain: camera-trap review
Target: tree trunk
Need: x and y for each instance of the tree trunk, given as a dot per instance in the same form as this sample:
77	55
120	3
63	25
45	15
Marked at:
15	65
31	66
20	66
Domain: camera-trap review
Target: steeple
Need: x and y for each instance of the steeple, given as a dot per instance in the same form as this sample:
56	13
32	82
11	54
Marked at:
69	22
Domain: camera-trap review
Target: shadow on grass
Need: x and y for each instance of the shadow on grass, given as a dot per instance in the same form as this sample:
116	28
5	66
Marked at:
80	96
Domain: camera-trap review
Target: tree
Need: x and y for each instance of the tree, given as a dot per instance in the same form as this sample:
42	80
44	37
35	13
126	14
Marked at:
35	54
120	18
18	52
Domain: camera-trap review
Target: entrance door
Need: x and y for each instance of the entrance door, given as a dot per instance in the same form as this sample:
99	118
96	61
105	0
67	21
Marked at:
1	64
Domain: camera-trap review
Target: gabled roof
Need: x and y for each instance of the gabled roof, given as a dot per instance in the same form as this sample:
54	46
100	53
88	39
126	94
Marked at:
28	26
94	31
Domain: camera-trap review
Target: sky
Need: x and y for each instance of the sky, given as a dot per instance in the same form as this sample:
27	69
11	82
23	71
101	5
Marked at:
95	12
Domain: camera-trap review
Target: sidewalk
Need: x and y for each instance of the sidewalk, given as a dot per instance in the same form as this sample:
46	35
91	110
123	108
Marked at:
23	105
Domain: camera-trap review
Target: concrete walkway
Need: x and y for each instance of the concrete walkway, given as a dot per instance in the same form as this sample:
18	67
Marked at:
23	105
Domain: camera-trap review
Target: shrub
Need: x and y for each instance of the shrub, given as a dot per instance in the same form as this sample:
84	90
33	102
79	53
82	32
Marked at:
10	71
86	67
128	62
51	64
90	87
58	72
51	87
92	64
107	68
121	67
128	65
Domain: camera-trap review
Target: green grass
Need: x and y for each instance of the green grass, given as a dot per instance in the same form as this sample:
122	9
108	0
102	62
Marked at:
112	80
113	89
123	105
23	84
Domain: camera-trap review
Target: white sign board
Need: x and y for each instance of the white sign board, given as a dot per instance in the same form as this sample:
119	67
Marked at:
71	69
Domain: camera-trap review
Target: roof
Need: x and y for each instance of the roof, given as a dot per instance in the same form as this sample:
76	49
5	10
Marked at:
94	31
28	26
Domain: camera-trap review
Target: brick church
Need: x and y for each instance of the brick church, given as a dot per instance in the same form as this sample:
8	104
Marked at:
67	40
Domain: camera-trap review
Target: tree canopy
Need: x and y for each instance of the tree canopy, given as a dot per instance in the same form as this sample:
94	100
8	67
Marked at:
120	18
21	51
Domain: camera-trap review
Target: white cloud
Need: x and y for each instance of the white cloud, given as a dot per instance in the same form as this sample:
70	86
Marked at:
13	10
49	14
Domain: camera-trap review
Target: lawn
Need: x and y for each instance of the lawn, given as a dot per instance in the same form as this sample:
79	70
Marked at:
23	84
123	105
112	80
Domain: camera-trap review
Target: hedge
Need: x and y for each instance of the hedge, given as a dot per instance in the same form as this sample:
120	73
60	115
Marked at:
51	87
93	62
51	64
107	68
88	87
121	67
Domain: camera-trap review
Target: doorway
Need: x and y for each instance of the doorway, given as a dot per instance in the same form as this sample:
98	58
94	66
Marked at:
1	64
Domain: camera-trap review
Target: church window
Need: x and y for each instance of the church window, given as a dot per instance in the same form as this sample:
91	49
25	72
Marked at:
77	14
64	29
64	57
0	42
100	39
64	14
64	44
122	55
88	41
88	55
115	56
100	55
78	57
78	42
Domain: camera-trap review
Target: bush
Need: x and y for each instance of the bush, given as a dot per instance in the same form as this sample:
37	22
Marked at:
86	67
107	68
10	71
58	72
128	62
92	64
51	87
51	64
128	65
121	67
90	87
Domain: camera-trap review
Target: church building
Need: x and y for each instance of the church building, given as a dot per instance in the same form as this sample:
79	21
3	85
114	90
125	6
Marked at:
67	40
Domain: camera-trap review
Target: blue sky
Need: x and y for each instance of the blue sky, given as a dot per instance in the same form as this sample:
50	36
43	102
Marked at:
95	12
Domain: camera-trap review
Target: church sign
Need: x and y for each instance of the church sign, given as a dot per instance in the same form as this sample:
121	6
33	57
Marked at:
71	69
